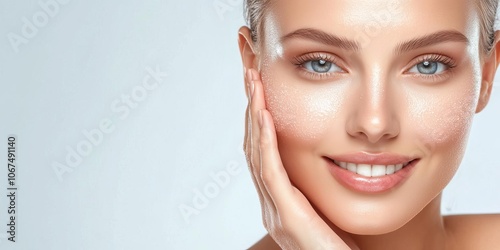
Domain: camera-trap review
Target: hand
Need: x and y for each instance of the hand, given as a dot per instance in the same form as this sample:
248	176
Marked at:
287	215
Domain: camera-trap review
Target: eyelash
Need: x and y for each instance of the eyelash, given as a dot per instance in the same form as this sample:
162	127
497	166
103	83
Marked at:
299	61
448	62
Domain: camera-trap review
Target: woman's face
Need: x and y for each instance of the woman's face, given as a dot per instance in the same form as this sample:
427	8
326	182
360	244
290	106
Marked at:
371	82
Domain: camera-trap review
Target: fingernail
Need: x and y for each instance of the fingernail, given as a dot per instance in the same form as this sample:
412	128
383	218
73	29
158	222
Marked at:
261	122
252	87
249	75
253	77
250	82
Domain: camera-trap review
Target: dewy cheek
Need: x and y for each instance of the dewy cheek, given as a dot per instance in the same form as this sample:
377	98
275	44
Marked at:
302	112
440	120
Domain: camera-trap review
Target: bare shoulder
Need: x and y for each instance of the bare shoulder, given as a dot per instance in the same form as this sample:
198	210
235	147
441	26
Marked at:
478	231
266	243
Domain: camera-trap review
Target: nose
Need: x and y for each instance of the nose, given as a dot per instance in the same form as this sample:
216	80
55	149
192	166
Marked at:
373	116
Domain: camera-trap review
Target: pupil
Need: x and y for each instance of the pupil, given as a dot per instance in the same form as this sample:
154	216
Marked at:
321	66
428	67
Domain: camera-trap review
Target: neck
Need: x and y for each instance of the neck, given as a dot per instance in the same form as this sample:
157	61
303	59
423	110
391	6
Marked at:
424	231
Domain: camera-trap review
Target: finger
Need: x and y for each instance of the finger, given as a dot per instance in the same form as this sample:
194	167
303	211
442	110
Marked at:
249	123
248	134
249	152
257	102
273	174
247	118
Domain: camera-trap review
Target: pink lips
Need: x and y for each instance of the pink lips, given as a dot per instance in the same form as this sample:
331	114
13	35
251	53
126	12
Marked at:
365	184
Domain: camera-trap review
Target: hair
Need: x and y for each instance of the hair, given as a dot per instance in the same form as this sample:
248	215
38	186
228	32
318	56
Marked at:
254	15
487	9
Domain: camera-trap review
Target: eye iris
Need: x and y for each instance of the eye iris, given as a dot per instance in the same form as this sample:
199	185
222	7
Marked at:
427	67
321	66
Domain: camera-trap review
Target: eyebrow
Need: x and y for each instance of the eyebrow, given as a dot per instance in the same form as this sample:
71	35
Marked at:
333	40
322	37
431	39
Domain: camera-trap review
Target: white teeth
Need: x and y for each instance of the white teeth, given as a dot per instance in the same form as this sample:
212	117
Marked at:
343	165
378	170
364	170
399	167
371	170
351	167
390	169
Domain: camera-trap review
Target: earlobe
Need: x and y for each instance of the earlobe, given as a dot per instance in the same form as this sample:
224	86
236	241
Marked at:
489	70
484	96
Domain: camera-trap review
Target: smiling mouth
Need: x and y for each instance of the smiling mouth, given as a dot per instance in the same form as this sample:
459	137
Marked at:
368	170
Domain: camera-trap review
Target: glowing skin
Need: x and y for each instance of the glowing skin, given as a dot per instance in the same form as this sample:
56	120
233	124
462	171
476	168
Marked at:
375	76
376	102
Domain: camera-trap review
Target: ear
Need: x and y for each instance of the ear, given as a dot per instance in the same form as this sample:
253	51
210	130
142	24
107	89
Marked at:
247	51
489	69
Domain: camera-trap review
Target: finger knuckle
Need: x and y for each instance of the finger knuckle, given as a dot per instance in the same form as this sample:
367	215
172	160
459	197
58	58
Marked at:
285	224
265	141
267	176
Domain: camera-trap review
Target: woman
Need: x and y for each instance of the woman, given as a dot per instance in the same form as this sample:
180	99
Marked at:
358	117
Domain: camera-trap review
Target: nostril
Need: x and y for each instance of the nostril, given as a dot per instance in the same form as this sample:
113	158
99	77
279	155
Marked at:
373	126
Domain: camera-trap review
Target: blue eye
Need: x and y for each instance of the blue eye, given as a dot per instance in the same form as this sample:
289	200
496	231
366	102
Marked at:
428	68
321	66
318	65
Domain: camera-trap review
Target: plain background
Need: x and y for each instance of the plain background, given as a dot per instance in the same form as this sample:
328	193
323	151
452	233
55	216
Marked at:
128	190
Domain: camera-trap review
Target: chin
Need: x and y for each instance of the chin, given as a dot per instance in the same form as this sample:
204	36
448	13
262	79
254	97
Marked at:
370	224
377	214
360	214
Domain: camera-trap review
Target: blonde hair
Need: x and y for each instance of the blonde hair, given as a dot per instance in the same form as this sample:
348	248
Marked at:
254	15
487	9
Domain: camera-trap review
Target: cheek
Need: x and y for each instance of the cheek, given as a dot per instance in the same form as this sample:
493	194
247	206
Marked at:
444	115
442	121
440	125
300	111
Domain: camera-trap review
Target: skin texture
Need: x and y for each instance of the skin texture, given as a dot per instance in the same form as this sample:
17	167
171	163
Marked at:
375	101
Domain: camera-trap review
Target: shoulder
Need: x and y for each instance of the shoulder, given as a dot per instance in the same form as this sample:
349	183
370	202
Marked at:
478	231
266	243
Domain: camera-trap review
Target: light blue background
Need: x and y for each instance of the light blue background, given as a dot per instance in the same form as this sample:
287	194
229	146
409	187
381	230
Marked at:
126	193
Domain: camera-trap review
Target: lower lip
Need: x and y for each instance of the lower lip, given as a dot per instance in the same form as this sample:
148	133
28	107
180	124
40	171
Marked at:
361	183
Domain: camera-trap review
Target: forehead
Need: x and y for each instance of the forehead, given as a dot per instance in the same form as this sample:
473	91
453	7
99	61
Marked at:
377	19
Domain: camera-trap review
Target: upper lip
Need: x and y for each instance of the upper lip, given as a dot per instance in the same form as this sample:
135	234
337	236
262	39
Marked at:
383	158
